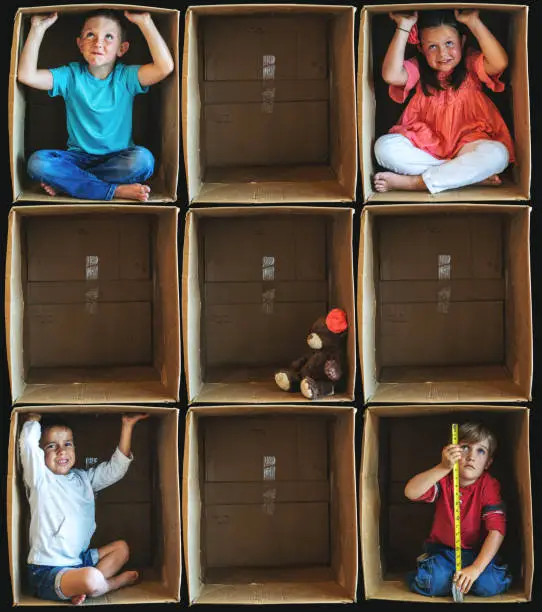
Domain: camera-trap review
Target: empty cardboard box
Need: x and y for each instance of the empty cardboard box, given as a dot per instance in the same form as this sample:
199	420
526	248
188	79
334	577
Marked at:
269	508
92	304
378	112
254	281
268	103
143	508
402	441
444	303
37	121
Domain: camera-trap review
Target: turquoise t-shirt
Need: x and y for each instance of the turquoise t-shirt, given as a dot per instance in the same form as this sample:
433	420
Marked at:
98	112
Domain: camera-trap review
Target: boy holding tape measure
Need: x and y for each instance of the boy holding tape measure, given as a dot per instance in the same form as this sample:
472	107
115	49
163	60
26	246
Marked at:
483	520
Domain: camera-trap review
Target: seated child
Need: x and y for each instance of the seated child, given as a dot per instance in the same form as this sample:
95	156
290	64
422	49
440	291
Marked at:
61	566
451	134
483	520
102	161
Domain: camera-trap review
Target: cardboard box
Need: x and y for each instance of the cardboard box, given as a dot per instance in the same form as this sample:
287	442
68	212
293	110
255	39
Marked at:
37	121
254	282
268	103
378	112
269	509
92	304
444	300
401	441
143	508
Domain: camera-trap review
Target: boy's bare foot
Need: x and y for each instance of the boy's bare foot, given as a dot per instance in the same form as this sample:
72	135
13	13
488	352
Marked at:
122	580
492	180
77	600
135	191
386	181
48	189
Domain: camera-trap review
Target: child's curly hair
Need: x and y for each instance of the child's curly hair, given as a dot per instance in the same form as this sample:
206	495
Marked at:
475	432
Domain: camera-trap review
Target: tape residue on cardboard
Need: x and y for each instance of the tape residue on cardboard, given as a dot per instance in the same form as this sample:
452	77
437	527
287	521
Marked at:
444	293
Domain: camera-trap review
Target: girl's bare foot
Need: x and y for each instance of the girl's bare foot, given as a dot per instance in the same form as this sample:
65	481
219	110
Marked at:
48	189
77	600
386	181
495	179
135	191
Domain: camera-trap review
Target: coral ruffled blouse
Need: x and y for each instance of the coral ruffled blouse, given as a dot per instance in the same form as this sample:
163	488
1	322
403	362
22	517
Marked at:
442	123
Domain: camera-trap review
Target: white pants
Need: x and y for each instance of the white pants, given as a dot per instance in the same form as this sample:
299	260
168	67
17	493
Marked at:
475	162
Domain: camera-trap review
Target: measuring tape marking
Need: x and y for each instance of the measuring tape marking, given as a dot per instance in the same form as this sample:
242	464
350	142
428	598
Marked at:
457	503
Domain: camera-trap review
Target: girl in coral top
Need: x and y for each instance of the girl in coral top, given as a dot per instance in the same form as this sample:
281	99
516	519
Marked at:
450	134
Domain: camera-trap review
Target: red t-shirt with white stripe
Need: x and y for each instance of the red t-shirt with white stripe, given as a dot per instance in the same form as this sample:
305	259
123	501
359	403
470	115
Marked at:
482	510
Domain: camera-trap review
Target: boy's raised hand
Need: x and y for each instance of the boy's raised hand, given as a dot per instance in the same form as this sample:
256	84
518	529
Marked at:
43	22
404	20
33	416
138	18
450	455
132	419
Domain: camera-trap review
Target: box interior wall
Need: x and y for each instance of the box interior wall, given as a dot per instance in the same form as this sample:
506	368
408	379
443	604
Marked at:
464	273
95	290
267	98
264	502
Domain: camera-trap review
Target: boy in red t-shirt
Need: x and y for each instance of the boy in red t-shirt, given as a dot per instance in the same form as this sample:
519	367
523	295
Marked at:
483	519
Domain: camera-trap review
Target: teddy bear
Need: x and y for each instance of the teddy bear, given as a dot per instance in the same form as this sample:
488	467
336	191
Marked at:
316	374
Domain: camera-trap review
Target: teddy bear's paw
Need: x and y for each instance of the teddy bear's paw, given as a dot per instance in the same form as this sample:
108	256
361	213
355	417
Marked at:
283	381
308	388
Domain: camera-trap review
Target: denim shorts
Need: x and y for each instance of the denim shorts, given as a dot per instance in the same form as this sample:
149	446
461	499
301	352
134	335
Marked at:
45	579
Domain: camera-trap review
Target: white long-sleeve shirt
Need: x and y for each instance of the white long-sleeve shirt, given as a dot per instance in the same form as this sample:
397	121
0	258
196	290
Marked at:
62	519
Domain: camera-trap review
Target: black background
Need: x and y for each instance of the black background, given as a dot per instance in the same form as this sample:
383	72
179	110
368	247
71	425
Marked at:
535	78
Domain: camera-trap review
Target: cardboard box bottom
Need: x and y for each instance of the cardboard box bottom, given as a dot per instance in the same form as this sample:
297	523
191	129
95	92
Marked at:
508	190
271	586
438	384
50	385
272	184
393	587
34	193
250	384
149	590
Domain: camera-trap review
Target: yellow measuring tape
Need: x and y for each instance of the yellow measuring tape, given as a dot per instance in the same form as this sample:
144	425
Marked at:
457	512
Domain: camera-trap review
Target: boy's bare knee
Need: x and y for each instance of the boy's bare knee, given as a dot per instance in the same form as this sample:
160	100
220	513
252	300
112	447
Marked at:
92	581
122	549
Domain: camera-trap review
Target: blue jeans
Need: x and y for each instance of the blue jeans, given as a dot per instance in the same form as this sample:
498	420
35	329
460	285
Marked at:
45	579
436	569
90	177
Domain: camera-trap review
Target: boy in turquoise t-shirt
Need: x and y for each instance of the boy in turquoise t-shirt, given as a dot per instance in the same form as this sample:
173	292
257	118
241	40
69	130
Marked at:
101	162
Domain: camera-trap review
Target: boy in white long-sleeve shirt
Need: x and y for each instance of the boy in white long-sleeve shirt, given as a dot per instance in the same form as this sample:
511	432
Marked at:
61	565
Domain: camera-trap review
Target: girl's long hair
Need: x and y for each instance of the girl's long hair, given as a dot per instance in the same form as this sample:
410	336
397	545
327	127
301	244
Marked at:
428	77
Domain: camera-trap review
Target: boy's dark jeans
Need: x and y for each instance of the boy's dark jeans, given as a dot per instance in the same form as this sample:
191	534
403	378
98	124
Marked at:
436	569
90	177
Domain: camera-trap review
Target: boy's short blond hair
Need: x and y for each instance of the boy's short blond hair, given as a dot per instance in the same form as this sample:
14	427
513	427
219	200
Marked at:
111	14
476	432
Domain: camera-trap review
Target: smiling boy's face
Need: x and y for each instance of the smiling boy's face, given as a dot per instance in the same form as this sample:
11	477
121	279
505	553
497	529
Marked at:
59	449
101	41
474	460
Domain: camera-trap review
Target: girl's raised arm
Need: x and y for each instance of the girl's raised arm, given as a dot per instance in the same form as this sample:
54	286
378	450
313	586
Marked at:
495	57
393	71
